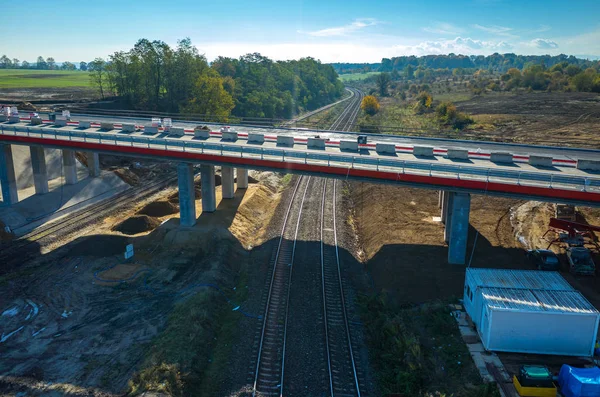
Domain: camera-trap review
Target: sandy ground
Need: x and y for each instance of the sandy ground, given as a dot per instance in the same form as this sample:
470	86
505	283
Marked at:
68	328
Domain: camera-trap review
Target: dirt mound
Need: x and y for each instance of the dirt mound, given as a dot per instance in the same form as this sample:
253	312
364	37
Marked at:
174	198
159	208
137	224
27	106
99	245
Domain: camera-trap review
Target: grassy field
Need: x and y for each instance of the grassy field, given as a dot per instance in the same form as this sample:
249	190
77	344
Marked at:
356	76
17	78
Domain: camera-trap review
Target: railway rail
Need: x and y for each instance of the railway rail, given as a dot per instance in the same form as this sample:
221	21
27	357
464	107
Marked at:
343	375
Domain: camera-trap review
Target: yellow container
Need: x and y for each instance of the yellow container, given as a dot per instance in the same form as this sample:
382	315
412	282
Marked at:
533	391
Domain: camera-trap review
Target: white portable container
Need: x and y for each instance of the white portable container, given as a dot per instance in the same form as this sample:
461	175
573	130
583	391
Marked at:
527	311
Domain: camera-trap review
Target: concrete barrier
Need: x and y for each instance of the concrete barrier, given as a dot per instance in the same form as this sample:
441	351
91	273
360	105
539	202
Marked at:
60	122
425	151
256	138
230	136
458	154
316	143
107	126
349	146
176	131
542	161
36	121
3	118
128	127
14	119
385	148
588	165
283	140
199	133
501	157
148	129
84	124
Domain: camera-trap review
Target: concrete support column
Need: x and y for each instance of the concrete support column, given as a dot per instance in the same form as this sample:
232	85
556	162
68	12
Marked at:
242	178
93	164
8	181
443	203
69	166
209	197
38	166
187	198
227	182
447	214
458	222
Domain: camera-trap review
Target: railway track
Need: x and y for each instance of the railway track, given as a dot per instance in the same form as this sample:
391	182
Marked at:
341	368
270	364
16	251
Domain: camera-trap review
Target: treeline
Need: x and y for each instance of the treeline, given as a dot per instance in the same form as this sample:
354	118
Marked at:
495	62
560	77
154	76
355	67
41	64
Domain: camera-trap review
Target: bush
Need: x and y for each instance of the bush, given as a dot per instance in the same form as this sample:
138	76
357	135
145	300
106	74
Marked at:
447	114
370	105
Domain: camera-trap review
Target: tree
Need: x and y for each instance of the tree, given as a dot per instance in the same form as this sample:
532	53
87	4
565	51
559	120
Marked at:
409	71
447	114
68	66
25	65
15	63
51	63
98	78
383	80
210	98
5	62
41	64
83	66
370	105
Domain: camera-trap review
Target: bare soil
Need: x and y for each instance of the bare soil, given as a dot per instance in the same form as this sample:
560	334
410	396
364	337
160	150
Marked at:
137	224
546	118
159	208
35	95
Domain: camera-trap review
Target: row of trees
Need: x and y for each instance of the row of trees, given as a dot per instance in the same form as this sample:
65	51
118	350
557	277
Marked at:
495	62
154	76
560	77
41	64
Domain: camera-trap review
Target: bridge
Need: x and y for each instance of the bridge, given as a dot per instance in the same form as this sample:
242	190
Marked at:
456	168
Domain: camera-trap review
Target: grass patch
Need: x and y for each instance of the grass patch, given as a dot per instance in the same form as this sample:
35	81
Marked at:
418	351
24	78
356	76
285	181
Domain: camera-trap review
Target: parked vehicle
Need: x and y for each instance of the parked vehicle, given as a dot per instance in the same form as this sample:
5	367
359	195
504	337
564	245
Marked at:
544	259
580	261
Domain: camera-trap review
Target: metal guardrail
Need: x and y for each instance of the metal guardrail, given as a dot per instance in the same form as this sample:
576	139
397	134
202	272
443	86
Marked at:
450	171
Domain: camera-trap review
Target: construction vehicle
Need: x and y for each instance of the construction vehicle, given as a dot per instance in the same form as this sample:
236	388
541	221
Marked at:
534	381
580	261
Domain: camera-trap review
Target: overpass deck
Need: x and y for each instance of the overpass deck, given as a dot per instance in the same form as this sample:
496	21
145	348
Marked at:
560	182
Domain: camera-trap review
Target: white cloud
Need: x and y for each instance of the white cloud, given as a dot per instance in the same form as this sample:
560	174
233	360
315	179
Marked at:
345	30
495	30
443	28
459	45
544	44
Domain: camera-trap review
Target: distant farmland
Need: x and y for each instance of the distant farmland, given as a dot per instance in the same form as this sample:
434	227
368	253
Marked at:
356	76
27	78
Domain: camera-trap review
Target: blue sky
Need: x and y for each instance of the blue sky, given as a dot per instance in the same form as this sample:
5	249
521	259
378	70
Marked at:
333	31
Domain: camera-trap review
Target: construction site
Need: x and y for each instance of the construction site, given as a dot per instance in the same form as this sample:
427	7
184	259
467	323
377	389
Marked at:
293	284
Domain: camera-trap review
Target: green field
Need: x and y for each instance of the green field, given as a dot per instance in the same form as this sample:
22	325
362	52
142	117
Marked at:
27	78
356	76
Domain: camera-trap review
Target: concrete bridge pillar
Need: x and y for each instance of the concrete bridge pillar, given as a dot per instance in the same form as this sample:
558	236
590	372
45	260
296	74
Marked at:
444	201
40	171
93	164
227	185
242	178
187	198
209	197
8	181
456	229
69	166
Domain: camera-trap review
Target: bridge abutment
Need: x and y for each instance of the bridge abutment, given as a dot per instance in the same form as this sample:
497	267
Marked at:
8	181
187	199
209	197
227	185
69	166
242	178
93	164
40	171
